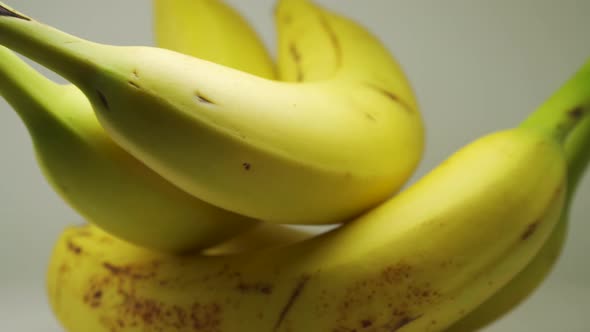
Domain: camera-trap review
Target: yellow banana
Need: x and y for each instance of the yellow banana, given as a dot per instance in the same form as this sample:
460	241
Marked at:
423	273
211	30
528	280
318	152
418	262
100	180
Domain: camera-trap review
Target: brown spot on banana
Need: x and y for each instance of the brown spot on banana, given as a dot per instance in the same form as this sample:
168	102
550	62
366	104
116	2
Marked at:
133	84
405	297
77	250
103	100
531	228
247	166
155	315
578	113
94	293
395	98
295	294
202	99
370	116
296	56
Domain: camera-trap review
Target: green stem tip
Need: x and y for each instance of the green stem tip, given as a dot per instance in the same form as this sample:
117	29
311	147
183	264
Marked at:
565	109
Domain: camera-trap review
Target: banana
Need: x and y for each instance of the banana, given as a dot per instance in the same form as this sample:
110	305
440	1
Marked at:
526	282
213	31
418	262
319	152
100	180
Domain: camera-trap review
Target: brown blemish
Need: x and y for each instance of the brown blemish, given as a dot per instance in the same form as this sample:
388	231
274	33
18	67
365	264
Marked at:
395	98
530	229
247	166
296	56
578	112
63	268
396	286
7	12
155	315
393	274
103	100
133	84
135	73
333	40
370	116
291	300
259	287
203	99
94	295
366	323
113	269
77	250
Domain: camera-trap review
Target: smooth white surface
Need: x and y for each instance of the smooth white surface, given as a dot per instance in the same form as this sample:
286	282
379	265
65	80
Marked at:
477	66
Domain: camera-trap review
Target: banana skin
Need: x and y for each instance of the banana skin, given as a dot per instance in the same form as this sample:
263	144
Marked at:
398	266
418	262
213	31
534	274
317	152
101	181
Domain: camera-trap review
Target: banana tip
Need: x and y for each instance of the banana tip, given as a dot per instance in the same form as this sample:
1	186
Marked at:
10	13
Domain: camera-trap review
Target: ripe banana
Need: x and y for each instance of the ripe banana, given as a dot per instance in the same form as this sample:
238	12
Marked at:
99	179
318	152
418	262
213	31
527	281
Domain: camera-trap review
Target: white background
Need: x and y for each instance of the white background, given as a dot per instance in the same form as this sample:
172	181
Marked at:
477	66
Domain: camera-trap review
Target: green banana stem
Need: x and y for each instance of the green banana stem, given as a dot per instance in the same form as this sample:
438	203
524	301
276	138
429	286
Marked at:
25	89
577	152
565	109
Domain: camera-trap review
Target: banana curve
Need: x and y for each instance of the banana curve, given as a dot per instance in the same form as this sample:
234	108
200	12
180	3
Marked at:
306	153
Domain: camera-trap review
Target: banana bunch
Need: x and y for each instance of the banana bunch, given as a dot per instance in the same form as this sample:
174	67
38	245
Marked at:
186	160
